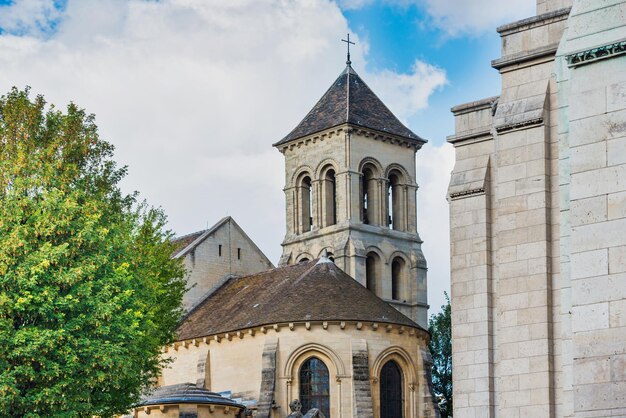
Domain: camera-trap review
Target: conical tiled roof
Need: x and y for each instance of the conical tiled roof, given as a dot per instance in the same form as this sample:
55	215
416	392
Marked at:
350	100
303	292
186	393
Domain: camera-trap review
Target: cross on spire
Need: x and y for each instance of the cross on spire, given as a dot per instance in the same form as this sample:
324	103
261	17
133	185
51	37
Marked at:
348	42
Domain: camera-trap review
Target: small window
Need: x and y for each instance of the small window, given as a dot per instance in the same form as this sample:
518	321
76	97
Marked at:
238	253
219	250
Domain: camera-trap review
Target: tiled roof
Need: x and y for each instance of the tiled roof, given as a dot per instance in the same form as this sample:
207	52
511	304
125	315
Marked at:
182	242
350	100
309	291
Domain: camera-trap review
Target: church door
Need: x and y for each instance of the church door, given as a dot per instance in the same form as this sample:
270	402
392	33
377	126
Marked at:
314	386
391	391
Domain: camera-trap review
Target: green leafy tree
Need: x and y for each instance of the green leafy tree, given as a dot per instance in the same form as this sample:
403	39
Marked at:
88	291
440	328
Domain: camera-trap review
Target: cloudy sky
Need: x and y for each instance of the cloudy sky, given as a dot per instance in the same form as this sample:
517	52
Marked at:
193	92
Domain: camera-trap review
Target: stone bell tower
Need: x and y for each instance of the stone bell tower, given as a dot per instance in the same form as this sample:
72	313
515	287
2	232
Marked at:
350	191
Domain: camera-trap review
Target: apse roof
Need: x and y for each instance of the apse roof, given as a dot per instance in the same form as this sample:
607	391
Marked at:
350	100
303	292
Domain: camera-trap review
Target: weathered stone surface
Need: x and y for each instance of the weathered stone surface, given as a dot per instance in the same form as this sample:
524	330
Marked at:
537	283
268	379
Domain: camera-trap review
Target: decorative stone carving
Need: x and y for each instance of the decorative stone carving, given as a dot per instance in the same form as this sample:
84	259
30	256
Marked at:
295	406
585	57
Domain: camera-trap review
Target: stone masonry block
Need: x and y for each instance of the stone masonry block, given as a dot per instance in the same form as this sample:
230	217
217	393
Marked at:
590	317
617	205
616	97
589	264
590	130
588	157
616	151
617	318
590	210
587	103
598	182
600	235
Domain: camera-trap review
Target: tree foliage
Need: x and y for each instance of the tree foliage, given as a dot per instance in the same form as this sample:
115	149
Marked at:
88	291
440	328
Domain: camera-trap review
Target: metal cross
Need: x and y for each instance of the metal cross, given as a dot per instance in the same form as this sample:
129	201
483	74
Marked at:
348	44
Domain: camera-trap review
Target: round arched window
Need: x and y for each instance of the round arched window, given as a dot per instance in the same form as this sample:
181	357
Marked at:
314	386
391	391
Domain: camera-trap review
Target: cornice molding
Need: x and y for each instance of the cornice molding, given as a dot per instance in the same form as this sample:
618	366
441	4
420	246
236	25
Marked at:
467	193
298	326
546	52
520	125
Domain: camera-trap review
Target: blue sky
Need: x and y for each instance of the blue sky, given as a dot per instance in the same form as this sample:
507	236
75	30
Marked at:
398	34
192	93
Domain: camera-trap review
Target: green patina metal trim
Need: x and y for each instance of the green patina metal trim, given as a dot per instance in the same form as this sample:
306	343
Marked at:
595	54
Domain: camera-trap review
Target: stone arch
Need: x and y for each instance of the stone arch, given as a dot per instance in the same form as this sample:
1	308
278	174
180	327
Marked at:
324	165
409	375
400	169
402	255
371	200
304	201
304	257
374	260
299	172
329	251
326	175
400	282
374	162
302	353
396	202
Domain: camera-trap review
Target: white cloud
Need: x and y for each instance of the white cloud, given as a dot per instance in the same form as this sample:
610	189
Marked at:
434	165
405	94
28	16
457	17
353	4
193	93
474	16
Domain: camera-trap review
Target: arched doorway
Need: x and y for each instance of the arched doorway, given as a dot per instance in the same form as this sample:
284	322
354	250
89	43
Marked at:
314	386
391	402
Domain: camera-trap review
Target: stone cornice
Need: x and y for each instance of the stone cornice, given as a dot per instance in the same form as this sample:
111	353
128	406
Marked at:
346	226
349	128
533	22
483	135
595	54
474	106
519	125
546	52
467	193
300	325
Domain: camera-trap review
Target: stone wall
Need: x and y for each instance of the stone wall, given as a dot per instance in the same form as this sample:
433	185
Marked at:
535	207
592	100
350	240
208	266
233	362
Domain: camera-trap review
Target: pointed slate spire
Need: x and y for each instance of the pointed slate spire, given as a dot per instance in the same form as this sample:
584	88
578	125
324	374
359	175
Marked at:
350	100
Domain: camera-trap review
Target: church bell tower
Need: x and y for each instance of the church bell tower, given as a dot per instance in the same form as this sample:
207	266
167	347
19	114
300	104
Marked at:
351	192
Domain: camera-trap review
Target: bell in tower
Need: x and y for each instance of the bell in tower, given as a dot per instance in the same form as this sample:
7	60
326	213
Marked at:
351	192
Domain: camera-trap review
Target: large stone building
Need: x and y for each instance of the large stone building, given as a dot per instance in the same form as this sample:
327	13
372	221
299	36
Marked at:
338	330
538	222
351	191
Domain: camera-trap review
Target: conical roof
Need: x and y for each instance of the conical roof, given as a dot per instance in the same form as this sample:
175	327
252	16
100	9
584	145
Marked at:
350	100
186	393
303	292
